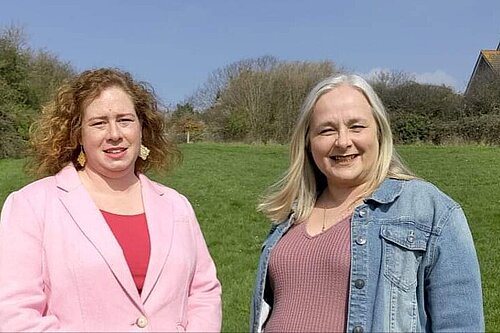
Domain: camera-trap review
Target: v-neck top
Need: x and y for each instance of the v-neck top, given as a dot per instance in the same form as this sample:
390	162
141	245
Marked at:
131	232
309	276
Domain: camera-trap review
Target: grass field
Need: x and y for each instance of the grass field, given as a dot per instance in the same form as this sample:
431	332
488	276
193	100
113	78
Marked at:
223	183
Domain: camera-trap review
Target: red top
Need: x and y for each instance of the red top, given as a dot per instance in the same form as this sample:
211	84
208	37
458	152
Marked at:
131	232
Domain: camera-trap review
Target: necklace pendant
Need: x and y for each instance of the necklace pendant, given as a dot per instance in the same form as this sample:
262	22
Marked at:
323	227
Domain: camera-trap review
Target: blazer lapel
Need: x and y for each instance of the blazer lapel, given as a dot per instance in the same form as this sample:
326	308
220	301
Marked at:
90	221
159	215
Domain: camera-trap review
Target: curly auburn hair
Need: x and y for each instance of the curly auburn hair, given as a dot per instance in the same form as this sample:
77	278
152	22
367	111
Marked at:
55	136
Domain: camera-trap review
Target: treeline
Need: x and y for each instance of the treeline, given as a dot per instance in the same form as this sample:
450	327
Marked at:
28	78
257	100
437	114
253	100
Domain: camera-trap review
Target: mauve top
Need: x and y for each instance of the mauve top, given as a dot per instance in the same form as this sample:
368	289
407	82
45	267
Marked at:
309	277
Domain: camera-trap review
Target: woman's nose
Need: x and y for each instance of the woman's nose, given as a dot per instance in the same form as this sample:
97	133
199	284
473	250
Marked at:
343	140
114	132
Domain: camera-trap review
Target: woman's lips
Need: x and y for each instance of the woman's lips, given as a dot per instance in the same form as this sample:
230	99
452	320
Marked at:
115	152
343	158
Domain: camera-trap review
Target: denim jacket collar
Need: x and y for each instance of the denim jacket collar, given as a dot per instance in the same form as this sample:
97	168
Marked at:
387	192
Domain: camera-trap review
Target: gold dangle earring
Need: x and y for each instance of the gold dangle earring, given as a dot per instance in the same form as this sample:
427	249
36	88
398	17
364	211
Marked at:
144	152
81	158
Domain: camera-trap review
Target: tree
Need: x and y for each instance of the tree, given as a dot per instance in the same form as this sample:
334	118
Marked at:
186	123
27	79
417	111
14	63
260	101
46	74
206	96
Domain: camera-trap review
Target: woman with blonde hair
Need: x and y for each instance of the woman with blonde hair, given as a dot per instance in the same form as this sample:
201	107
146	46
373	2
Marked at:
96	245
358	243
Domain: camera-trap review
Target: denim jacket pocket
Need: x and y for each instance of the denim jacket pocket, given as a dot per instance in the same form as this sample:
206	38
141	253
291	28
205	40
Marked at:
403	247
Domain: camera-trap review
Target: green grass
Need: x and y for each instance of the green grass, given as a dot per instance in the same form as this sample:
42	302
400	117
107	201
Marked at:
12	177
223	183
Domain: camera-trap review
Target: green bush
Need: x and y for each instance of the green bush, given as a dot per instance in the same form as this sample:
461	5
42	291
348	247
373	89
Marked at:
28	78
482	129
411	128
12	140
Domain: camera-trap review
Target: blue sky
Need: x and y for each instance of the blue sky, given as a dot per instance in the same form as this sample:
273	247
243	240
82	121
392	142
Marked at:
175	45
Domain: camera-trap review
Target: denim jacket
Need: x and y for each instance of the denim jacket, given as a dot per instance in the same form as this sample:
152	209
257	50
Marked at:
413	264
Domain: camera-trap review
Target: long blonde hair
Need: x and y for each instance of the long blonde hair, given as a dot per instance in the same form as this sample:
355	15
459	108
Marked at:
299	187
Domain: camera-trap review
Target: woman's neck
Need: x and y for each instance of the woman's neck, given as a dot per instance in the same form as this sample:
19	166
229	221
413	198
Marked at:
101	183
115	195
333	196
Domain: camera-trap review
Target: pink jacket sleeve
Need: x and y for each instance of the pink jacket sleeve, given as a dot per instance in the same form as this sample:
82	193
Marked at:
204	301
23	293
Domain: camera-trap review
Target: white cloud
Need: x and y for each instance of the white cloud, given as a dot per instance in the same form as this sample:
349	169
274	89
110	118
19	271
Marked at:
373	73
437	77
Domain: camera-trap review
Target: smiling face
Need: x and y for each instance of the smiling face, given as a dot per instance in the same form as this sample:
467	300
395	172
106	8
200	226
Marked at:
343	137
111	134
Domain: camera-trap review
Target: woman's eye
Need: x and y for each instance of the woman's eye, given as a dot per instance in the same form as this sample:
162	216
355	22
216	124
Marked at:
327	131
357	127
126	120
97	124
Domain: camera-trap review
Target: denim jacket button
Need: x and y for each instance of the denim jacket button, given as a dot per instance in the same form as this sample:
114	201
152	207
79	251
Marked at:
410	238
362	212
361	240
357	329
359	283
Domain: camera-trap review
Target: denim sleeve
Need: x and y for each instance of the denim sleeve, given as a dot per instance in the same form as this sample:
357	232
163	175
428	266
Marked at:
453	282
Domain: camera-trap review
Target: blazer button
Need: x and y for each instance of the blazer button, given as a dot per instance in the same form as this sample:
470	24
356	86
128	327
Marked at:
141	322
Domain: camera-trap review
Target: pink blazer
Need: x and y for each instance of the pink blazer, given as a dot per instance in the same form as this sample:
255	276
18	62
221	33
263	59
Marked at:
61	268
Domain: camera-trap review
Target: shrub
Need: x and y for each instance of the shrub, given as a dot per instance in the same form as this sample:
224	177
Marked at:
411	128
482	129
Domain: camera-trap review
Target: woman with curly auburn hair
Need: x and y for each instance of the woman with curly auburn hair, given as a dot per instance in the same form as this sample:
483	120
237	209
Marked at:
96	245
55	136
